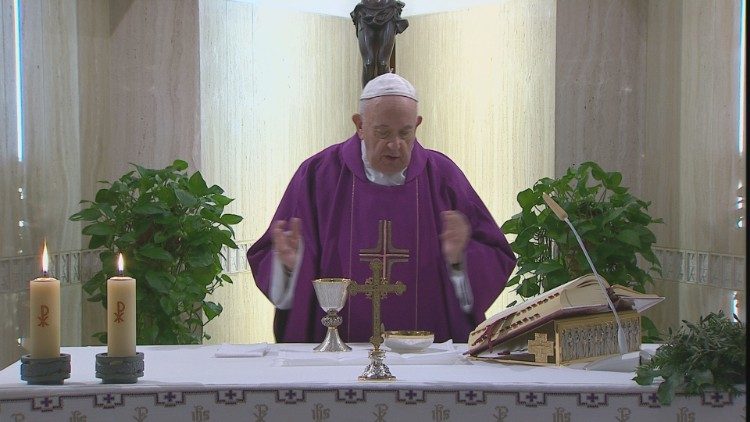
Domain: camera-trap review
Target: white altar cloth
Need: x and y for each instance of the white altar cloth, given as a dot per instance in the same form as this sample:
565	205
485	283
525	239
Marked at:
190	383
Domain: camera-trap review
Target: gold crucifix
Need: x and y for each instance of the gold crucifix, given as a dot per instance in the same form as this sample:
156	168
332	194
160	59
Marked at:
384	250
541	348
376	288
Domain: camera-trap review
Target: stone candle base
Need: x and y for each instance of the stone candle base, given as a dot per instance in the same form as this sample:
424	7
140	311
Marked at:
119	369
45	371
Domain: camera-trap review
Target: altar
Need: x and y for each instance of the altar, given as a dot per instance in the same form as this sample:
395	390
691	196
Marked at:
281	382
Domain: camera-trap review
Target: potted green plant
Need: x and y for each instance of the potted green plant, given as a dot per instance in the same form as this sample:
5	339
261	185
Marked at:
708	356
613	224
170	227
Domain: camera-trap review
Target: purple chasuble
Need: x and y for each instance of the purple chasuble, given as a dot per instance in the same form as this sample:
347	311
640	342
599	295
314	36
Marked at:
341	212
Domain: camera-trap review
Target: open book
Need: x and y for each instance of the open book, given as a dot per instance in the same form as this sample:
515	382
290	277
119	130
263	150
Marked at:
582	296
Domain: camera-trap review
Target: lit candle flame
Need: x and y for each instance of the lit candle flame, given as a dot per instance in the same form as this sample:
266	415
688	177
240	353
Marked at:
45	260
120	264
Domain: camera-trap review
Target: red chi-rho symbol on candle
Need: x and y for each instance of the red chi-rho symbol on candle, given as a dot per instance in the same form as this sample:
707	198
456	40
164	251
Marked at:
43	316
120	311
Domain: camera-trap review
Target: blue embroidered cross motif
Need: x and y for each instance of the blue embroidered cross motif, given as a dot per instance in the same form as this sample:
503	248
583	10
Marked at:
592	399
350	395
531	399
716	399
410	396
290	396
650	400
170	398
229	397
470	397
46	404
108	401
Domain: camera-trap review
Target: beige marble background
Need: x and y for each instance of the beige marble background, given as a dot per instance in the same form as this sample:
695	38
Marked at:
512	90
486	80
274	90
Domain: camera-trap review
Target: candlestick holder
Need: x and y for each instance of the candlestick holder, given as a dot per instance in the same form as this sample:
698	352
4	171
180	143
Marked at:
119	369
45	371
376	370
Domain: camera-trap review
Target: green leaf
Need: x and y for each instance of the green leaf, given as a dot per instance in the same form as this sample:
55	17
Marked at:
104	195
148	334
159	281
630	237
167	304
704	377
612	180
527	199
212	310
548	267
528	288
597	171
89	214
180	165
222	200
186	198
97	241
148	209
511	226
197	185
666	390
155	252
513	281
102	229
94	283
646	378
100	336
229	219
200	258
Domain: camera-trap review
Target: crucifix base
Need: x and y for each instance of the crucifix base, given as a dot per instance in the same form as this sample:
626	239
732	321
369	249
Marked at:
376	370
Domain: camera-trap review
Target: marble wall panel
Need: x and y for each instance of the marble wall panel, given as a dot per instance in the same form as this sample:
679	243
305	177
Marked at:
153	86
600	86
655	96
12	308
94	94
51	175
48	175
662	117
10	211
711	167
486	81
276	87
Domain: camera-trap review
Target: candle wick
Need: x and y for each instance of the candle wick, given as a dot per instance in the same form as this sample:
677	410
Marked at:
44	274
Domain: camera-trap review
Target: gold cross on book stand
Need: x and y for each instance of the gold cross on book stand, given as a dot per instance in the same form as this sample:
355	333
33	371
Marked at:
376	288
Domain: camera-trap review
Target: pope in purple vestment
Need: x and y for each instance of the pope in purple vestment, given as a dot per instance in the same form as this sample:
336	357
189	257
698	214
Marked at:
345	218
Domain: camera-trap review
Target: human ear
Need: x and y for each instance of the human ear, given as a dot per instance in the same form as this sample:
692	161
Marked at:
357	119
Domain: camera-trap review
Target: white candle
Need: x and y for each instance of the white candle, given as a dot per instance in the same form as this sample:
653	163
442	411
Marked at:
121	314
44	314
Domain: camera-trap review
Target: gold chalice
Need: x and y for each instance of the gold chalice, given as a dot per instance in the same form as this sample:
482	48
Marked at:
332	293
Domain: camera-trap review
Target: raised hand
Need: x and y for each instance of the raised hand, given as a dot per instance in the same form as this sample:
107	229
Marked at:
455	235
286	241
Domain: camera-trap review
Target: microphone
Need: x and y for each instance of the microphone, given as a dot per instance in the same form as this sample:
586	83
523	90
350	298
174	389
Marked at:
562	215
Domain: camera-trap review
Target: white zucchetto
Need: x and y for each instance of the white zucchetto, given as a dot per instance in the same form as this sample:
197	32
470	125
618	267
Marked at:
388	84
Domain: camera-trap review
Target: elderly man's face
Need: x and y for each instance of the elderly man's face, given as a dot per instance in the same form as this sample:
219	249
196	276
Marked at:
388	127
